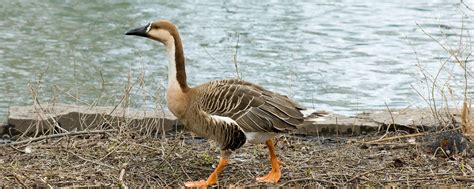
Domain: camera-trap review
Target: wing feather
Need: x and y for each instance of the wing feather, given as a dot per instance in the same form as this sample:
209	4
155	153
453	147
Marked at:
252	107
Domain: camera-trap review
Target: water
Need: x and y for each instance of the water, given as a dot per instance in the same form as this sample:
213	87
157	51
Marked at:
341	56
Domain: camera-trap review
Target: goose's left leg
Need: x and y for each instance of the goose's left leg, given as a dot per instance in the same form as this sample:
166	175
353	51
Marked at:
275	173
212	179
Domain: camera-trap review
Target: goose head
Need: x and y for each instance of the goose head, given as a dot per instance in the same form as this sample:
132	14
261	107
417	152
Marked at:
162	30
167	33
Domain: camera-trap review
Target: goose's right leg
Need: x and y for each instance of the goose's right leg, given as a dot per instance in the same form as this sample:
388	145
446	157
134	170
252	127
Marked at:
275	174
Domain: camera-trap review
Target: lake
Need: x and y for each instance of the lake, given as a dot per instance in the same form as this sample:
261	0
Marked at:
340	56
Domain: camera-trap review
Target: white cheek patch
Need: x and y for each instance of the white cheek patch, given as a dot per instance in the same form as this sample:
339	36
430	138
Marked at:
148	28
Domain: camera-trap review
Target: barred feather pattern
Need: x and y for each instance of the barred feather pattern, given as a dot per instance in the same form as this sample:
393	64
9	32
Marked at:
250	108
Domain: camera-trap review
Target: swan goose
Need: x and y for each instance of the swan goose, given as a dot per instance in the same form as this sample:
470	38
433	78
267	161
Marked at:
230	112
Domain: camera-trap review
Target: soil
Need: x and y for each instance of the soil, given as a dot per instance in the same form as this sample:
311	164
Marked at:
127	159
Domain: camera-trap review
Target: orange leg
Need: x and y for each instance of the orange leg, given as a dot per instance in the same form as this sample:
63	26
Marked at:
275	173
212	179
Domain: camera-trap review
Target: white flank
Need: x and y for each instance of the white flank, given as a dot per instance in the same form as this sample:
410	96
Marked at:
259	137
308	115
317	119
307	112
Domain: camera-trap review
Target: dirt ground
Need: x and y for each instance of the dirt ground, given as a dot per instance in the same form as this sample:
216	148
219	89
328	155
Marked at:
132	160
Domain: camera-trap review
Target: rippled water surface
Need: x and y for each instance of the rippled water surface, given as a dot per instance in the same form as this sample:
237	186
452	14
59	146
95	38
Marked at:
342	56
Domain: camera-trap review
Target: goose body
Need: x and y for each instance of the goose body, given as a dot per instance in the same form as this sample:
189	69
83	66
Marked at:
230	112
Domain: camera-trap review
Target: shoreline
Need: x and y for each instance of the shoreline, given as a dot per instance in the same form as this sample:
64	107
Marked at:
54	118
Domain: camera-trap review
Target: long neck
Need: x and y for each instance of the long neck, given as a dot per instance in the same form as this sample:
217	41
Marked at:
176	68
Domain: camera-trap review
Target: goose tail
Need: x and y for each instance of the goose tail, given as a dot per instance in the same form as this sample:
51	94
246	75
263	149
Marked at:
313	115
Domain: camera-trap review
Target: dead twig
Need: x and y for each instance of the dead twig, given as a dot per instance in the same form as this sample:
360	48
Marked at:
47	184
388	127
184	171
17	178
309	179
93	132
382	146
91	161
407	180
122	174
463	178
16	149
462	2
363	174
395	137
239	74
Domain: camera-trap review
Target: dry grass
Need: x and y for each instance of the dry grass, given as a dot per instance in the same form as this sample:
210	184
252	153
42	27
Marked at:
130	159
466	122
443	89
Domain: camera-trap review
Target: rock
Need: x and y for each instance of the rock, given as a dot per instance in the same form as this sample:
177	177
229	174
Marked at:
3	129
408	117
410	120
336	124
421	119
59	117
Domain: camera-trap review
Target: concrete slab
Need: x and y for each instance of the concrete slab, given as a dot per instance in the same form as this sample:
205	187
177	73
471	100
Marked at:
63	117
47	118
